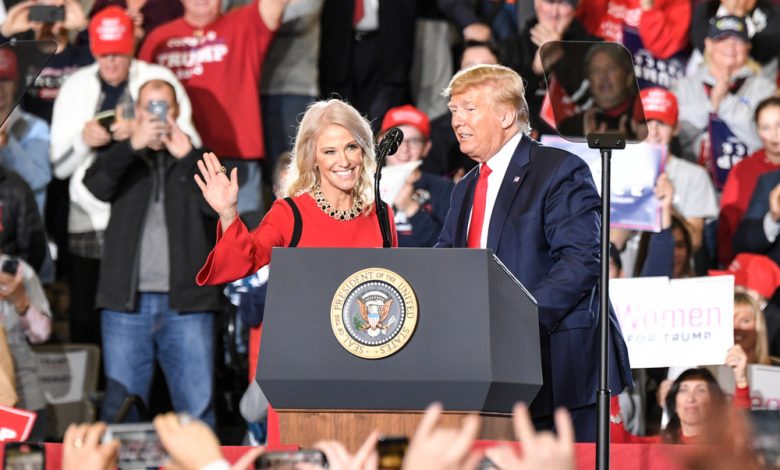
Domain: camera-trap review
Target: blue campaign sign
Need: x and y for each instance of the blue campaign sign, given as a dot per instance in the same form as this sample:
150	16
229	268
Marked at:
726	150
633	204
651	71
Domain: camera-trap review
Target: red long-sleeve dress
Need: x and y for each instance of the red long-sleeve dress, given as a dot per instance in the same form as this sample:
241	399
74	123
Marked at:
239	253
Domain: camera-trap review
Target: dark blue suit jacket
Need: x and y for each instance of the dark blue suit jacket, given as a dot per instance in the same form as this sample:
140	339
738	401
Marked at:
750	236
545	228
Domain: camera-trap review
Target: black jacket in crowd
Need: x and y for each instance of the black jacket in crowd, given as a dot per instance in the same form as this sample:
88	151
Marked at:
21	226
128	180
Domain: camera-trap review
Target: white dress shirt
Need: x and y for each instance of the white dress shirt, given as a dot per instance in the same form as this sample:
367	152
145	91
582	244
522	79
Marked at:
498	164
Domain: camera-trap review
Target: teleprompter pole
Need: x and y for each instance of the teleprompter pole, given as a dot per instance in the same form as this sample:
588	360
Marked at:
605	143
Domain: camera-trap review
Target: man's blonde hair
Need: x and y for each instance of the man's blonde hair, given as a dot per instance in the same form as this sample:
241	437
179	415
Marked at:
504	84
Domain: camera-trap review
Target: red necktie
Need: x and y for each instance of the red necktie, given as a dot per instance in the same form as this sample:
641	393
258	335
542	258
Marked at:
358	15
478	208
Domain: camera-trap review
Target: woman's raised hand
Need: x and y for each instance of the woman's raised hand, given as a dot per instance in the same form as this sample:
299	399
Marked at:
220	191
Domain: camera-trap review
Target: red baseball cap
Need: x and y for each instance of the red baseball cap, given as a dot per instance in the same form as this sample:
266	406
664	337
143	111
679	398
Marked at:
111	32
9	67
409	115
660	104
754	272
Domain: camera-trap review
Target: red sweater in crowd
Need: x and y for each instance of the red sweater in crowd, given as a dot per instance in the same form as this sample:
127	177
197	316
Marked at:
735	199
220	67
619	434
663	29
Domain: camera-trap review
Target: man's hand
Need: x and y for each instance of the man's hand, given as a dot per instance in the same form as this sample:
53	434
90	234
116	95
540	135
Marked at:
271	12
435	448
662	392
177	142
404	201
122	129
17	20
82	450
543	450
190	443
138	24
541	34
12	289
95	135
148	133
590	123
366	458
664	192
75	19
774	203
718	92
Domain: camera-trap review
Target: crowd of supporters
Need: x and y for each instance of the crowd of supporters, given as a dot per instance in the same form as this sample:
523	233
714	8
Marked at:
98	204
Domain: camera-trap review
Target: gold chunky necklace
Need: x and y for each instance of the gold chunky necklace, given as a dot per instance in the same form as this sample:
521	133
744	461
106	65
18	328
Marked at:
325	206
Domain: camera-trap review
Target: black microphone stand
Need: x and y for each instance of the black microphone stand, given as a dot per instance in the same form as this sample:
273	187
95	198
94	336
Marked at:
605	143
388	146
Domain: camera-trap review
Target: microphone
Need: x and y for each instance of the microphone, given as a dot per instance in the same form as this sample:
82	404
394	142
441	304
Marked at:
389	145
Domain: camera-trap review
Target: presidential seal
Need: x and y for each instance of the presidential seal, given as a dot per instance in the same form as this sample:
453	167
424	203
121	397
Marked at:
374	313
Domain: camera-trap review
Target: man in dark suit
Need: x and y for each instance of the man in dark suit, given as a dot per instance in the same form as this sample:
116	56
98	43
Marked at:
538	210
366	49
757	231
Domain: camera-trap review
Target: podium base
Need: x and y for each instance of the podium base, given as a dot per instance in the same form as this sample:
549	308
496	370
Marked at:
305	427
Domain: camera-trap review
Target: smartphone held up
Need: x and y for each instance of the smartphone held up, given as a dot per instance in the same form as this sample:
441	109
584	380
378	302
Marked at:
24	456
46	13
159	109
291	460
139	445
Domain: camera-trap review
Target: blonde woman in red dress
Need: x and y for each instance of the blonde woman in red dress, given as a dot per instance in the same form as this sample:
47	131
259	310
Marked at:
330	182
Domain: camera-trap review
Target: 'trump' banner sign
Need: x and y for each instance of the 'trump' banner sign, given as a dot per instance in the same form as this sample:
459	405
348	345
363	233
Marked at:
675	323
15	424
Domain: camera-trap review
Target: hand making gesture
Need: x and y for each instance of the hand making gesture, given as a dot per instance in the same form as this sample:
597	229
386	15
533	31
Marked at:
220	191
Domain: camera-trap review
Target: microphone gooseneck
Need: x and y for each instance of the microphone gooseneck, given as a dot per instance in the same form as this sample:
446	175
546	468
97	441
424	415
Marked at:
388	146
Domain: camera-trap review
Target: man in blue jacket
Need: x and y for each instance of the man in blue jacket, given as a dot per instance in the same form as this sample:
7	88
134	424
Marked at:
537	209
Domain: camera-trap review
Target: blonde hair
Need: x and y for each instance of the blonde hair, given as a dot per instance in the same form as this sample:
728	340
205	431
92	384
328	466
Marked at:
750	63
741	297
303	177
505	87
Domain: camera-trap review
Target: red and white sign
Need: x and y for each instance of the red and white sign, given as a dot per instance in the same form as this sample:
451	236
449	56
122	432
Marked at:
675	322
15	424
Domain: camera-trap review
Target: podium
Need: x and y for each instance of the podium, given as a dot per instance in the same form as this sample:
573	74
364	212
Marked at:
474	348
